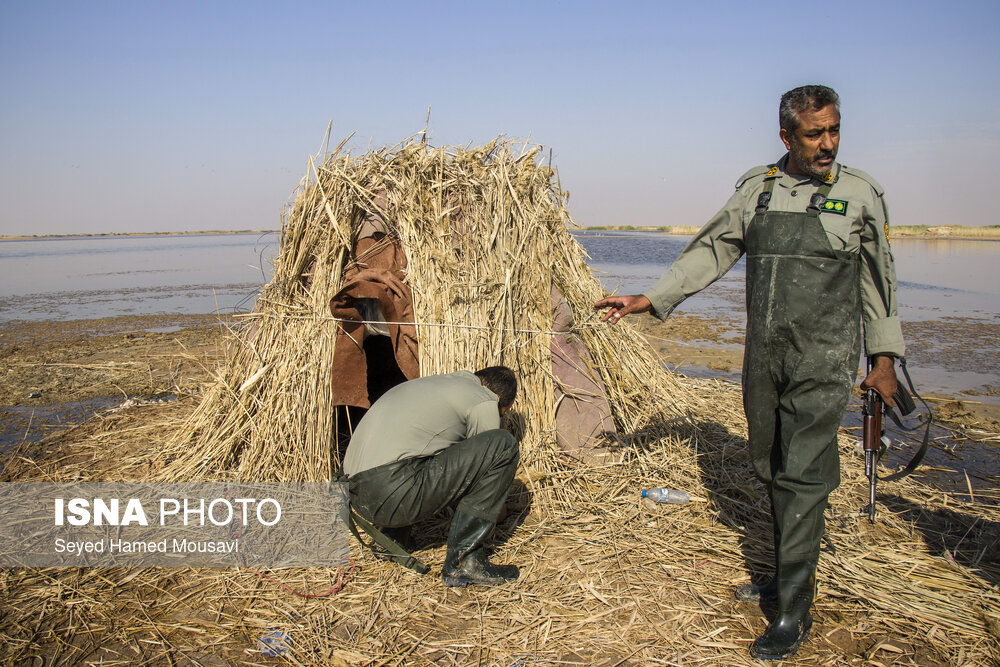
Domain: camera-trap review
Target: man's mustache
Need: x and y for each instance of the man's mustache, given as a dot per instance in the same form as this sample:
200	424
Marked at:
824	154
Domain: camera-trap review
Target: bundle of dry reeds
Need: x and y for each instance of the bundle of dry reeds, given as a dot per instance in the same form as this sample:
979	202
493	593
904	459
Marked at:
485	235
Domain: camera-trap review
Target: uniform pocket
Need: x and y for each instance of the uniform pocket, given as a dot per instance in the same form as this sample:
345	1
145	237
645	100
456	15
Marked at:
838	230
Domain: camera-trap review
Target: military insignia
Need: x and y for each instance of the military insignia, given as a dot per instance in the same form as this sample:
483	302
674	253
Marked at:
772	171
829	177
834	206
887	233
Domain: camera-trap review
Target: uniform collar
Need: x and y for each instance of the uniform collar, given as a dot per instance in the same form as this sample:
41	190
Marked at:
792	180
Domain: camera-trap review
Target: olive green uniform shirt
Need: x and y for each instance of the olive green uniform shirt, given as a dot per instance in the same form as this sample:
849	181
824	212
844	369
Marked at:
862	228
420	418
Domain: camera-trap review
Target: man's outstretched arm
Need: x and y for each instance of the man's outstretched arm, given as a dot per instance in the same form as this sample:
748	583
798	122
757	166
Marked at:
707	257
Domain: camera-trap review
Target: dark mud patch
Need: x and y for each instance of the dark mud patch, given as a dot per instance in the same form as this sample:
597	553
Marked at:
58	374
29	424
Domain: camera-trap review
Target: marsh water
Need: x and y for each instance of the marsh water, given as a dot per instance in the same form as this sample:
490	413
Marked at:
949	290
213	272
105	276
949	300
937	278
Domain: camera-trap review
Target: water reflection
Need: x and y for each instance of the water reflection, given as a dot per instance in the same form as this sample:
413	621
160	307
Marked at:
947	278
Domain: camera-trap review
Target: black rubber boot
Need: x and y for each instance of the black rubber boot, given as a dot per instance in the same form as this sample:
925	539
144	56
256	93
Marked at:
796	588
465	562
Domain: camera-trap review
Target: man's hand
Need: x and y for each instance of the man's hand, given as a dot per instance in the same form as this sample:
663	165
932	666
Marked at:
623	305
882	378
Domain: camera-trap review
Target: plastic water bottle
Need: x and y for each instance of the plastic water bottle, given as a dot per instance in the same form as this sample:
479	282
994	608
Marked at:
274	643
671	496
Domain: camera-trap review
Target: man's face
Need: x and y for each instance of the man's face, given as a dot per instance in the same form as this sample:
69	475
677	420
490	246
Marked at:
812	147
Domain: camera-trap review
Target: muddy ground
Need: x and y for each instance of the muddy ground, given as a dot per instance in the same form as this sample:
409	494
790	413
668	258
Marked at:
58	374
55	367
964	441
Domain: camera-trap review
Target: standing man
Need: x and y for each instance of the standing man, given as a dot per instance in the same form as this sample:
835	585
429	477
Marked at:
815	233
432	441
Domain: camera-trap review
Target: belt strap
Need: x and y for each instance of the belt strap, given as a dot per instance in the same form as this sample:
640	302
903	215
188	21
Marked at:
819	197
815	202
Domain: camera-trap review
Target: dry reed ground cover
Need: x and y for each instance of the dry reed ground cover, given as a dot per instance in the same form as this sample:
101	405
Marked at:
606	580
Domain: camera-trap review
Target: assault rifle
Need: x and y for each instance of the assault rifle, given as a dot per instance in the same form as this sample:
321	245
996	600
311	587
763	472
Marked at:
874	441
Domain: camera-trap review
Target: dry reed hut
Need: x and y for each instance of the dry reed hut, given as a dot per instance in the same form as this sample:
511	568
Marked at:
455	259
607	580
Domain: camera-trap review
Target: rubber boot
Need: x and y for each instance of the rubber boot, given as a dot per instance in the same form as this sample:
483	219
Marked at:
465	562
796	588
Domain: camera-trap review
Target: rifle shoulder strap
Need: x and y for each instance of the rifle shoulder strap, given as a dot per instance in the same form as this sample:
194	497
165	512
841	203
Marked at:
392	549
891	413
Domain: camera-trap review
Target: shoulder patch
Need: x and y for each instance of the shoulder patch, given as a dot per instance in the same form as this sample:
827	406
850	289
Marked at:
763	170
857	173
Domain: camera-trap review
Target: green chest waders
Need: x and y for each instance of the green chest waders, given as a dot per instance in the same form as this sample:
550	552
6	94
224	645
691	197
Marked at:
802	349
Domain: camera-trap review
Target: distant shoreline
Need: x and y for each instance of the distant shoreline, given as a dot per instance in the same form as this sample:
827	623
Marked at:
950	232
679	230
210	232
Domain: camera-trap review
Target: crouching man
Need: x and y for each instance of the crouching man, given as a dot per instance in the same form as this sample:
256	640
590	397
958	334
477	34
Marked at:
433	441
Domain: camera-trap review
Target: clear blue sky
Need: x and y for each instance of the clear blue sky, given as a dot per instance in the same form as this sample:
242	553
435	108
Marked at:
166	116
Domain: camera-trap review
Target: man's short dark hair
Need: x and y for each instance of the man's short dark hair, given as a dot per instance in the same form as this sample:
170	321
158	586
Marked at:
801	99
501	381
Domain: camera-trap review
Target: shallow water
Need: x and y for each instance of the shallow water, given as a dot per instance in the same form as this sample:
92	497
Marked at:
949	294
32	423
106	276
949	301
